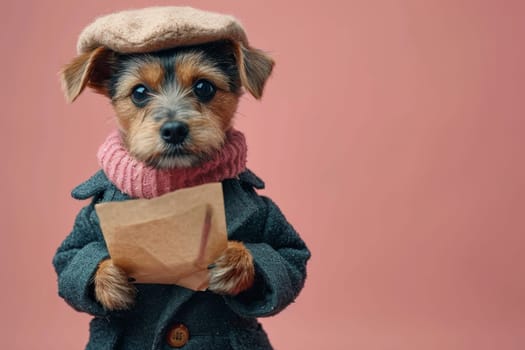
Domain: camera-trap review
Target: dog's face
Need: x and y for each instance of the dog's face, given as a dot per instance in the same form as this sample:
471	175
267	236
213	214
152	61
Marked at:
175	106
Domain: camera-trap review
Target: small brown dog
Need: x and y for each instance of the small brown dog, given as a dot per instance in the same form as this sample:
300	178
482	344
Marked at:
174	76
173	108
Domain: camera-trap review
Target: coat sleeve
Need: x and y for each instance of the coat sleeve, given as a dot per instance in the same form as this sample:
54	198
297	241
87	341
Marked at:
76	261
280	265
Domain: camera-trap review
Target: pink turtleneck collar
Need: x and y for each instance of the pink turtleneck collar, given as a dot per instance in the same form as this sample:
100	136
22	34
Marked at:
139	180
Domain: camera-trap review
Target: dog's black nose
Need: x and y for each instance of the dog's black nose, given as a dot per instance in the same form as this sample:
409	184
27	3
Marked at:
174	132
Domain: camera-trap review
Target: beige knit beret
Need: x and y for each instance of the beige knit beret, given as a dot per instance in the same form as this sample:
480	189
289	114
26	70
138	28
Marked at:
157	28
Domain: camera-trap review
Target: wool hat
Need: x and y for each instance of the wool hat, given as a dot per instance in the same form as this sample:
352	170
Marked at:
157	28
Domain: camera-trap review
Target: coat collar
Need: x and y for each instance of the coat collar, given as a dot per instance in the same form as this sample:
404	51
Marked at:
99	183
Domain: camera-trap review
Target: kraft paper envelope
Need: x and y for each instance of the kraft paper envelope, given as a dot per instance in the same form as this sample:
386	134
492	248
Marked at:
171	239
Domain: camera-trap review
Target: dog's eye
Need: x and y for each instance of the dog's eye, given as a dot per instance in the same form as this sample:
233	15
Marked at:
140	95
204	90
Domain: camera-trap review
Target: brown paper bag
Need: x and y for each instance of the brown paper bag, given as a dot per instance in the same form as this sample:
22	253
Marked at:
171	239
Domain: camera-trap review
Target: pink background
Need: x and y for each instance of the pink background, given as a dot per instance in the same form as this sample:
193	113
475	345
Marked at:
391	134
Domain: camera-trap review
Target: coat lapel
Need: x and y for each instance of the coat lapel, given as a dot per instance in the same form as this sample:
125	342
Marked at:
239	206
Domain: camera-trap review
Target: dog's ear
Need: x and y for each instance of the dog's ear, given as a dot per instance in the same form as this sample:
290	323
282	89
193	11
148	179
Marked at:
91	69
255	66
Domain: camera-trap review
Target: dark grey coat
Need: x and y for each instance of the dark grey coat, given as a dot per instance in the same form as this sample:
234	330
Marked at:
214	321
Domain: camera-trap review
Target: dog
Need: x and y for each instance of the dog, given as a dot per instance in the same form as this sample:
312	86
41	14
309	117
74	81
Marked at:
173	108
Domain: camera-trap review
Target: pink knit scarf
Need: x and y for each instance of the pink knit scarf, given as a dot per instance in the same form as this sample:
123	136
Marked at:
139	180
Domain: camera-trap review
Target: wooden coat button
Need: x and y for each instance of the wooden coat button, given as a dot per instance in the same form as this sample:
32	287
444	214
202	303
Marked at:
178	336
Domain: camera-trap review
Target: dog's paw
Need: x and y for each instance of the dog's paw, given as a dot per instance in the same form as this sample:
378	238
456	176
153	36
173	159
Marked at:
112	288
233	272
